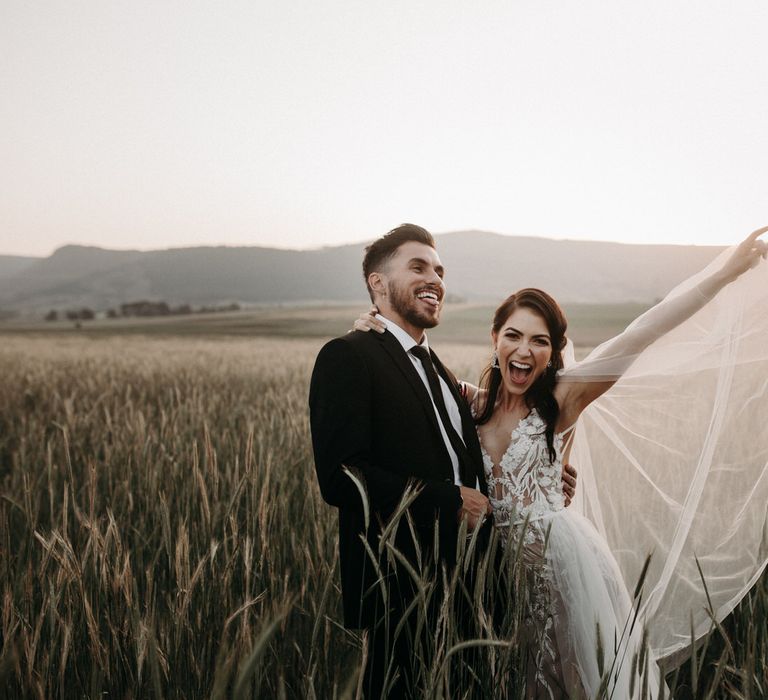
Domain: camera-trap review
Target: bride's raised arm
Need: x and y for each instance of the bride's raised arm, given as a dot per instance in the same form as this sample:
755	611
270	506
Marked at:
582	383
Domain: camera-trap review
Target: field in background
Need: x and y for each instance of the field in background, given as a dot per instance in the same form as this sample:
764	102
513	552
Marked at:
162	534
589	324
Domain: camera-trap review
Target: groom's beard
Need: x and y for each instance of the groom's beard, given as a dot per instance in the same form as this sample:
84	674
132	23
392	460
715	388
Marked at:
406	305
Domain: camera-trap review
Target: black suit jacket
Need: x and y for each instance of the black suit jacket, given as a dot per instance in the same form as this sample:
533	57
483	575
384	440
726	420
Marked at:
369	410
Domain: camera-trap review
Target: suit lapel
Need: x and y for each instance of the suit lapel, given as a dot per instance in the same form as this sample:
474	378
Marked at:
401	360
469	432
404	364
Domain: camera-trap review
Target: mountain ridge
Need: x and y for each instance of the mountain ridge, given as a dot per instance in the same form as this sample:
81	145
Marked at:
481	266
11	265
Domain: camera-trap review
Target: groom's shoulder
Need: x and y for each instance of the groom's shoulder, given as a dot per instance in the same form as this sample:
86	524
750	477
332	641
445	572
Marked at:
362	339
354	343
357	340
350	355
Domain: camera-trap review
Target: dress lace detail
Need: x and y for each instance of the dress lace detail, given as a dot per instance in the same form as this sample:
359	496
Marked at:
524	488
525	485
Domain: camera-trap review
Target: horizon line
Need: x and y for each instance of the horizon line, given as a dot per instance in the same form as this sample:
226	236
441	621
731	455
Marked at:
347	244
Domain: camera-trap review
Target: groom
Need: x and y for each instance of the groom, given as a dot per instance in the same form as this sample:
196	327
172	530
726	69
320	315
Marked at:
385	414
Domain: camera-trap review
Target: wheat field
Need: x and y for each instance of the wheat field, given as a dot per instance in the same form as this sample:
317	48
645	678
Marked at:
162	534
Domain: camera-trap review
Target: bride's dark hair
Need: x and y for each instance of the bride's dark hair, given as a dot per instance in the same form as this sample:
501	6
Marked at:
541	393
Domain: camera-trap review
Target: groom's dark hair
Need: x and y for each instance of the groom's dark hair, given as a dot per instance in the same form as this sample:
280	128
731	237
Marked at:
383	249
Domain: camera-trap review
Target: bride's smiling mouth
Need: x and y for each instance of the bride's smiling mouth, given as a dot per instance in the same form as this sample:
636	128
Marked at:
519	372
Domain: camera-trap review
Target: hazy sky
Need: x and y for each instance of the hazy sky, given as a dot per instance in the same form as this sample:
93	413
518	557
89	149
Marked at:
306	123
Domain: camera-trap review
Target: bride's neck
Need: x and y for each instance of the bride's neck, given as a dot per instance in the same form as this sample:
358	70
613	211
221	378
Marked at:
511	403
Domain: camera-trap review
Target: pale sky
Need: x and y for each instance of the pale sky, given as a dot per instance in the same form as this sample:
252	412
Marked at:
148	124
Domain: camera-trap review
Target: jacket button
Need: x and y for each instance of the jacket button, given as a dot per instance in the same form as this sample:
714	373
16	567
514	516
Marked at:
448	481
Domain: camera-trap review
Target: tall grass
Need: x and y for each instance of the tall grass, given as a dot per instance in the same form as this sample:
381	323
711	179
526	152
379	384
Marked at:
162	535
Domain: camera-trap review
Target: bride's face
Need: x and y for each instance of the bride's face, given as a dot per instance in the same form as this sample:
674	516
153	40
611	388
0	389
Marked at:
524	348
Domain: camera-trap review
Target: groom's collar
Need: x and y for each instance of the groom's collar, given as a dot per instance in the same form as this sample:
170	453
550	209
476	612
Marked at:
403	337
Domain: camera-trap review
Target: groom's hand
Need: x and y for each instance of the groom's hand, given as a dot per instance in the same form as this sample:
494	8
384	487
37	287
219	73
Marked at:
569	483
474	507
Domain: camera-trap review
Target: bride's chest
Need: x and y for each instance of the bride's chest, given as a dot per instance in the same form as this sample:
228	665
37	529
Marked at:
522	458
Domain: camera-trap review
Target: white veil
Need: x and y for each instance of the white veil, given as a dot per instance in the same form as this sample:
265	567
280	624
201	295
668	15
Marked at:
673	459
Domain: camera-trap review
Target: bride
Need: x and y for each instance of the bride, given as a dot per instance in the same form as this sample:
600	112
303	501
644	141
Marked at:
673	463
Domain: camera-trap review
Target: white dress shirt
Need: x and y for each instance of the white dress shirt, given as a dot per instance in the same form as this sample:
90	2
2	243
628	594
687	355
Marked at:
450	403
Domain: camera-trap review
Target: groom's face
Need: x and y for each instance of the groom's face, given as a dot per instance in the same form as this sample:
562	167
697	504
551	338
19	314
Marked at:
415	287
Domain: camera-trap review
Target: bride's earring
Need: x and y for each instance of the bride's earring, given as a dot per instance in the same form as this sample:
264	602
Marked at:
549	364
495	361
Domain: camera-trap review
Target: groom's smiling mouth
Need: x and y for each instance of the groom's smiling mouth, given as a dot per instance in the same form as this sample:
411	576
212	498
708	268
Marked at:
430	296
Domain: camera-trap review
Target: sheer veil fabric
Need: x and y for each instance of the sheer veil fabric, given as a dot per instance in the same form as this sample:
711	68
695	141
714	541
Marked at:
673	459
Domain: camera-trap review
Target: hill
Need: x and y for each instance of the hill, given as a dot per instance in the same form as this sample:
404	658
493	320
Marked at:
481	266
11	265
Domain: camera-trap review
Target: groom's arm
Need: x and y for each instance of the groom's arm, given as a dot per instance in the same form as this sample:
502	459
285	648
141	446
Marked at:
341	417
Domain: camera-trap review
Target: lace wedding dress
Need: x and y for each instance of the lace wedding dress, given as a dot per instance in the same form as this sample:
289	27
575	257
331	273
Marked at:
673	463
575	590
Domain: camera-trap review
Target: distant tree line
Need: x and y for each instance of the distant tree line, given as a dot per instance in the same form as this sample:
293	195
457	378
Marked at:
138	309
83	314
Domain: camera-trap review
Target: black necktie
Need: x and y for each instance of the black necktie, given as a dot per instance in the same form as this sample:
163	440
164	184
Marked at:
466	473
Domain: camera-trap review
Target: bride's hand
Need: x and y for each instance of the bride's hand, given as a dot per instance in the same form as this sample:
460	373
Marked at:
569	483
368	322
746	255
